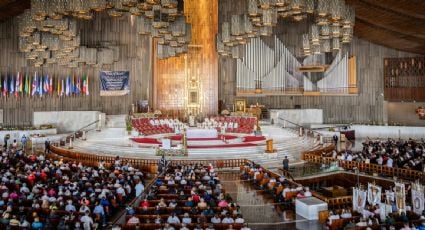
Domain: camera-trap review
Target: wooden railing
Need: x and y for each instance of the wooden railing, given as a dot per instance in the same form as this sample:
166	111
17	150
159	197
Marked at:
407	174
148	165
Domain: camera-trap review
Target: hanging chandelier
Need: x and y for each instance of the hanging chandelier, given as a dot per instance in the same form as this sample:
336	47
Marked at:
332	23
48	31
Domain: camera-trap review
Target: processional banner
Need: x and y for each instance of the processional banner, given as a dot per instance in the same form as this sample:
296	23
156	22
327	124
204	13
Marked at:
374	194
400	196
359	199
114	83
418	198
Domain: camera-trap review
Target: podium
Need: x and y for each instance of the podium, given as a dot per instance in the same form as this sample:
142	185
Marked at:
269	146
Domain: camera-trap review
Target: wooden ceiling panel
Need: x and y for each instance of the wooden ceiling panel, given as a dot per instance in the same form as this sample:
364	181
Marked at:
12	8
393	23
388	38
412	8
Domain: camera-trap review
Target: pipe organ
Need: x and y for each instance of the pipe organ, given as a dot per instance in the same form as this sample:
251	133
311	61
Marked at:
335	78
271	70
274	70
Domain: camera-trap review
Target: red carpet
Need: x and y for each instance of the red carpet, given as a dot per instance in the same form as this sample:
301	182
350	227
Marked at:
145	140
247	140
254	138
220	146
179	137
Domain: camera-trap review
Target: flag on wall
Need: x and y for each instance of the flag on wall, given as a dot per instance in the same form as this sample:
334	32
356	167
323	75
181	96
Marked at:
12	85
62	88
5	86
46	84
78	86
21	86
18	80
87	85
40	86
58	88
67	90
27	87
34	84
72	85
51	86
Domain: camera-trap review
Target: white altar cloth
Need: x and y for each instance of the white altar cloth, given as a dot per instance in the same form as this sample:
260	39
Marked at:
309	207
201	133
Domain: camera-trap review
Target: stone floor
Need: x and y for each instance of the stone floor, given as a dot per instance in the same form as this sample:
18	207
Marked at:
259	209
115	141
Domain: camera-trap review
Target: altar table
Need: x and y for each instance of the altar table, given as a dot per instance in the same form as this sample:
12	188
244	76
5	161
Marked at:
201	133
309	207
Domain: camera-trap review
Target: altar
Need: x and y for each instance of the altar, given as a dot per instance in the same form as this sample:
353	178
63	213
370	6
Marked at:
309	207
201	133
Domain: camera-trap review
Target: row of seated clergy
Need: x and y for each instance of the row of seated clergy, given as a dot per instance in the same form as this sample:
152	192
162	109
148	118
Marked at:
225	125
171	123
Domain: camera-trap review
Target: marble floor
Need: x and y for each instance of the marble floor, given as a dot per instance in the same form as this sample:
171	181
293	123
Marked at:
259	208
116	141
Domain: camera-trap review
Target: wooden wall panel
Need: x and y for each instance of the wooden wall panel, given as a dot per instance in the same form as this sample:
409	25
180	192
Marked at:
135	56
366	107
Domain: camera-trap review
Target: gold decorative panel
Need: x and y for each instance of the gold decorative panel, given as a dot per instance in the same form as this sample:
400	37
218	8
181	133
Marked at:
188	84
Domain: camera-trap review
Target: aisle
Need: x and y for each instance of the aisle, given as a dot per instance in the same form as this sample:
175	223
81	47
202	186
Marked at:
258	207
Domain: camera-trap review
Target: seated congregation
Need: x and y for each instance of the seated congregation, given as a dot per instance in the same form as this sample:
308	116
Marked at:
186	197
40	192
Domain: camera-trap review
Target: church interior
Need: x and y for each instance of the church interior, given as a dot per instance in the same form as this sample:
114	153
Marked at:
212	114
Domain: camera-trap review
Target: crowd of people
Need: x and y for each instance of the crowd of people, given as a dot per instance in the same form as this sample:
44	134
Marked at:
371	217
42	193
187	196
284	190
408	154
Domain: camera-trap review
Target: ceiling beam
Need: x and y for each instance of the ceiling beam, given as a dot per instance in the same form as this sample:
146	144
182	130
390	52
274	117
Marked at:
390	20
382	36
412	8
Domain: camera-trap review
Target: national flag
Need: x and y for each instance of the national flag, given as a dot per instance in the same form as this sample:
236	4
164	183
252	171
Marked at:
18	80
78	86
87	86
34	84
84	85
62	88
12	85
5	86
46	84
27	85
51	86
17	85
58	88
72	85
21	86
40	86
67	90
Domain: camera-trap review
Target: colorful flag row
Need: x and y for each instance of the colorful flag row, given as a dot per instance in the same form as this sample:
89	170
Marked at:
38	85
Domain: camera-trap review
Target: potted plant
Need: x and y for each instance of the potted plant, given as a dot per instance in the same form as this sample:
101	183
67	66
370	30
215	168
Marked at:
129	127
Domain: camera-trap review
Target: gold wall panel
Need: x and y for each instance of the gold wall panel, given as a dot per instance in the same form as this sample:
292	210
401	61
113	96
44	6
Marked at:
188	84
